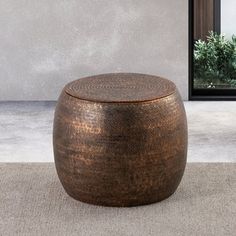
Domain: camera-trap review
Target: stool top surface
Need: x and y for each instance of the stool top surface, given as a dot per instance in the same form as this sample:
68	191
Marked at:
120	87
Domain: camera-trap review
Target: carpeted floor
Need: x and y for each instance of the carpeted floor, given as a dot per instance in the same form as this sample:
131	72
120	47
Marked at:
32	202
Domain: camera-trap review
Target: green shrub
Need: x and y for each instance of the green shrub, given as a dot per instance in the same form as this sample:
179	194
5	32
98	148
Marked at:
215	61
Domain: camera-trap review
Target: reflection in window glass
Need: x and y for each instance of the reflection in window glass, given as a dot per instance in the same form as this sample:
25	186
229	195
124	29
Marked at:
214	53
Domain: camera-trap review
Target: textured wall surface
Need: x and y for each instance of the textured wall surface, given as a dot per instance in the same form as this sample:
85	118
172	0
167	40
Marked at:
45	44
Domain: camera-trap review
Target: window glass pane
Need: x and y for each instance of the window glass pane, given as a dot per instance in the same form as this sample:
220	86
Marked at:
214	59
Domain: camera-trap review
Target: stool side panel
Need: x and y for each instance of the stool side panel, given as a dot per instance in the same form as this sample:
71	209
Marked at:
120	154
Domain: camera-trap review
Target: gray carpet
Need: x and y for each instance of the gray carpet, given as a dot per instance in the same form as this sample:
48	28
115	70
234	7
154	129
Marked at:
32	202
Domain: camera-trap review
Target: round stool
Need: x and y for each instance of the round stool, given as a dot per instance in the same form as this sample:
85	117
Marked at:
120	139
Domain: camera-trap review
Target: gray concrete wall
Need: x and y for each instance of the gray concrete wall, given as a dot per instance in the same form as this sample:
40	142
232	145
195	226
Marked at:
45	44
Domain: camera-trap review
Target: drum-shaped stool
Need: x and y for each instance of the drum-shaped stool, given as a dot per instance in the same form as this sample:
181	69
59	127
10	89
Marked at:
120	139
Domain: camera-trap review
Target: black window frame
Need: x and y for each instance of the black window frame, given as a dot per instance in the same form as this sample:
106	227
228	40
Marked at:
206	94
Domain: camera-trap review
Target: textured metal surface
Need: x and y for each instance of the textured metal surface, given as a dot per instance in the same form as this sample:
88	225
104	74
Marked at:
120	87
120	154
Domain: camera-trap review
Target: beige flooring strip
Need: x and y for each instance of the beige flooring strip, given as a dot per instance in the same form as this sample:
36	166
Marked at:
33	202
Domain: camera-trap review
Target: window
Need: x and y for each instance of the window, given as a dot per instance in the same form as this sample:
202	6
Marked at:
212	49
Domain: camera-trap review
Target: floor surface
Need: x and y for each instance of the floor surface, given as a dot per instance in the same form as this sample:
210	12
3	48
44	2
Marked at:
26	131
33	202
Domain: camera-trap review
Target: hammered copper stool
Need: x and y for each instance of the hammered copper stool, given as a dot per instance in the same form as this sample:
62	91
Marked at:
120	139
